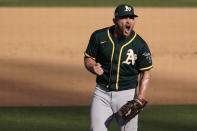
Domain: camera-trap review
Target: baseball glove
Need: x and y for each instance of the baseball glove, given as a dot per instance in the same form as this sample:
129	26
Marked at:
131	109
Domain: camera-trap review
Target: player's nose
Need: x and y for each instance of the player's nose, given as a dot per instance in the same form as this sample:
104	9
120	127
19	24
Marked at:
128	19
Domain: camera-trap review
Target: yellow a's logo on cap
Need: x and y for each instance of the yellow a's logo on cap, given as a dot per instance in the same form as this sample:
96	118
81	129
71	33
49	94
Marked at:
127	8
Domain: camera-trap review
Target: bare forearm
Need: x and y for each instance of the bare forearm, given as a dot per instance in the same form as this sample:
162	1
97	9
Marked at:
144	84
92	66
89	63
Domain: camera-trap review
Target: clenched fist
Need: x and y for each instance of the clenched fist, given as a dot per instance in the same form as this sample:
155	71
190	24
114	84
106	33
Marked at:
98	69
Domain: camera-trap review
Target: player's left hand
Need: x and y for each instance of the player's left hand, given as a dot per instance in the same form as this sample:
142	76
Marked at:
131	109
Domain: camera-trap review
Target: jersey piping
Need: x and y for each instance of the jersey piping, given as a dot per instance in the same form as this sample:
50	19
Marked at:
120	58
113	46
117	79
89	56
146	68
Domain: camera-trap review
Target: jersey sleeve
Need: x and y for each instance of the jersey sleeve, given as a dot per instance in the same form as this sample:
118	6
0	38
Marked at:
92	47
144	58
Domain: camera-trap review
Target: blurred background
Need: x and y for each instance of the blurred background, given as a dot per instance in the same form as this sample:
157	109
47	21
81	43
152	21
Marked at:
42	45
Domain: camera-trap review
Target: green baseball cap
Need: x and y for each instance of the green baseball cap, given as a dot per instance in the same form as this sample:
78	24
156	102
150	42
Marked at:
124	10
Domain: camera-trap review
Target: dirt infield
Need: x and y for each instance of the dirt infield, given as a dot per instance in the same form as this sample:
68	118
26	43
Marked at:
41	54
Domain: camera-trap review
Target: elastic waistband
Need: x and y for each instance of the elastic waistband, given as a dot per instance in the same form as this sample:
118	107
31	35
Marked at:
108	89
103	88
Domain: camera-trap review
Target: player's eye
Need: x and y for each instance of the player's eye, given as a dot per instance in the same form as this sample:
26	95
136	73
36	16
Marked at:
126	16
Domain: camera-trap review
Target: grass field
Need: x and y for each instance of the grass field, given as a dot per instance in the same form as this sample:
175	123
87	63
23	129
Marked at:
153	118
162	3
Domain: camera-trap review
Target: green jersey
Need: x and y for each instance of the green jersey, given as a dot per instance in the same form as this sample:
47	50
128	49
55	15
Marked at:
122	61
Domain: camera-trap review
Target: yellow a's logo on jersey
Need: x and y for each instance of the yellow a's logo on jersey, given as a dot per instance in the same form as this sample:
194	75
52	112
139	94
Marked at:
131	57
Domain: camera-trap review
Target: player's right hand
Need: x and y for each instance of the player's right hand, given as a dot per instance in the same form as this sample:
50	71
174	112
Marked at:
98	69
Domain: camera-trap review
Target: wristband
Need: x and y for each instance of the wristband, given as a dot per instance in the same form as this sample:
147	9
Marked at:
141	99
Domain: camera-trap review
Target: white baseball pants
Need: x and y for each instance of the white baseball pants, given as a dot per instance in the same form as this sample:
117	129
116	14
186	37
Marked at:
105	103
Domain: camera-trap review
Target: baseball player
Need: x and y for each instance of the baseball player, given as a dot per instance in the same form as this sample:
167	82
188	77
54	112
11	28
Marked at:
117	55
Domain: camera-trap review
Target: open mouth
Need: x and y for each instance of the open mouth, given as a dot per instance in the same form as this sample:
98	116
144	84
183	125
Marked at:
127	27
